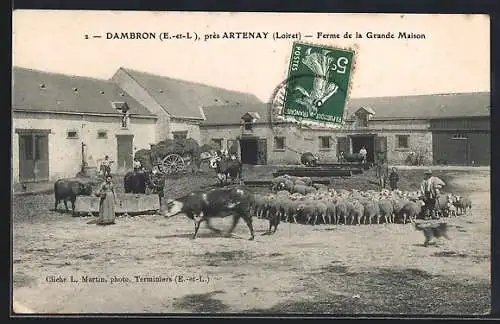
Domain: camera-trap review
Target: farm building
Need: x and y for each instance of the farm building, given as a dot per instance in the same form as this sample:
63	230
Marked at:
60	120
177	103
443	129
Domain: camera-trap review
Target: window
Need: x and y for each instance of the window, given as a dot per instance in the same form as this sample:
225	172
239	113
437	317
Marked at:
324	142
247	125
102	134
72	134
279	143
459	137
403	141
217	143
363	120
180	135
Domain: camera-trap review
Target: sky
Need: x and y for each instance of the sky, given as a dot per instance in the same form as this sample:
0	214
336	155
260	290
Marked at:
453	57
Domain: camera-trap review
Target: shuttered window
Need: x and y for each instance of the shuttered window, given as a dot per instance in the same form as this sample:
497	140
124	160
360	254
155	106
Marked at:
403	141
324	142
102	134
72	134
279	143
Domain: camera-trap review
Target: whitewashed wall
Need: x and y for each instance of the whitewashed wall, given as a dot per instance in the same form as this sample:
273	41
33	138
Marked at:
192	128
65	153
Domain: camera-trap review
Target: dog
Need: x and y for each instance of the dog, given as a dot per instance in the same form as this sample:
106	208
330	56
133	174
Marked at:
433	230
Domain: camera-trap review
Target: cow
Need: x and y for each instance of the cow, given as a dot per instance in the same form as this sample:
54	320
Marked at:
309	159
219	202
354	157
135	182
68	189
226	169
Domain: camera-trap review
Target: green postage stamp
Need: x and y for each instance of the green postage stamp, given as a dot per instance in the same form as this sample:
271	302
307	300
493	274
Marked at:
317	83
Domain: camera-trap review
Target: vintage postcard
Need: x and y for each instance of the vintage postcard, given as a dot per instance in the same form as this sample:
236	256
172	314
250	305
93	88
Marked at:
256	163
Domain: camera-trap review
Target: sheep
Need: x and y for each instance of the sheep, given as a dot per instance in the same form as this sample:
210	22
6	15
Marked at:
306	209
300	182
268	201
289	177
320	187
411	209
356	211
257	205
397	205
305	204
371	210
282	193
464	204
450	210
319	210
275	211
286	185
386	210
275	182
303	189
290	210
342	209
306	180
330	212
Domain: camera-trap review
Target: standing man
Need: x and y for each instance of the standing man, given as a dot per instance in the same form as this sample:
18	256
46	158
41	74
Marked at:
106	167
137	165
363	152
394	179
430	190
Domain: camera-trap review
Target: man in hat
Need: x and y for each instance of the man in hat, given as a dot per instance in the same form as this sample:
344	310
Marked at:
430	190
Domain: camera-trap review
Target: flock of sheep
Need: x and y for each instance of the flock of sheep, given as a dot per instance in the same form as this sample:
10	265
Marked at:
297	199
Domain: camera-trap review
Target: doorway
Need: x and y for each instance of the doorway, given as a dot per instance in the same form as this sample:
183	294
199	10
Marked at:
249	148
125	146
368	141
33	156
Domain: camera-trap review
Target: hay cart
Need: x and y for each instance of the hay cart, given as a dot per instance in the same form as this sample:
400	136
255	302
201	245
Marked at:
174	163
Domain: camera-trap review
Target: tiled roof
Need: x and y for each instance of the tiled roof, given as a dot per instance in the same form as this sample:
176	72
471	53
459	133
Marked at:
183	99
434	106
407	107
231	114
40	91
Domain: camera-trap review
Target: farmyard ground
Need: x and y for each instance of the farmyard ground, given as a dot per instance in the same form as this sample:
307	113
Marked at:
301	269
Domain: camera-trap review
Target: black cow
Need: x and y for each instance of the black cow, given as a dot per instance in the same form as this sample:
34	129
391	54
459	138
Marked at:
219	202
68	189
136	182
309	159
227	169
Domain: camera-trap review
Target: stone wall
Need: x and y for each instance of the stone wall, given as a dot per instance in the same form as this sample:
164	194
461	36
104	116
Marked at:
299	140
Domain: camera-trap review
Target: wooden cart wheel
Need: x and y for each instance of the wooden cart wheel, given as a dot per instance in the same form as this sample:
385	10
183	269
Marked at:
172	164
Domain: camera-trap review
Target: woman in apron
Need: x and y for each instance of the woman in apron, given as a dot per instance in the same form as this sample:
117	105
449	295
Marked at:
107	202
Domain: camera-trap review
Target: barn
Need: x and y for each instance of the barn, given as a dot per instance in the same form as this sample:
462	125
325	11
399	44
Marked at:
59	121
177	103
440	128
455	128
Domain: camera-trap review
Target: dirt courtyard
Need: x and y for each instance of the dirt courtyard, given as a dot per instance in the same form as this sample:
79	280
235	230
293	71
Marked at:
370	269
